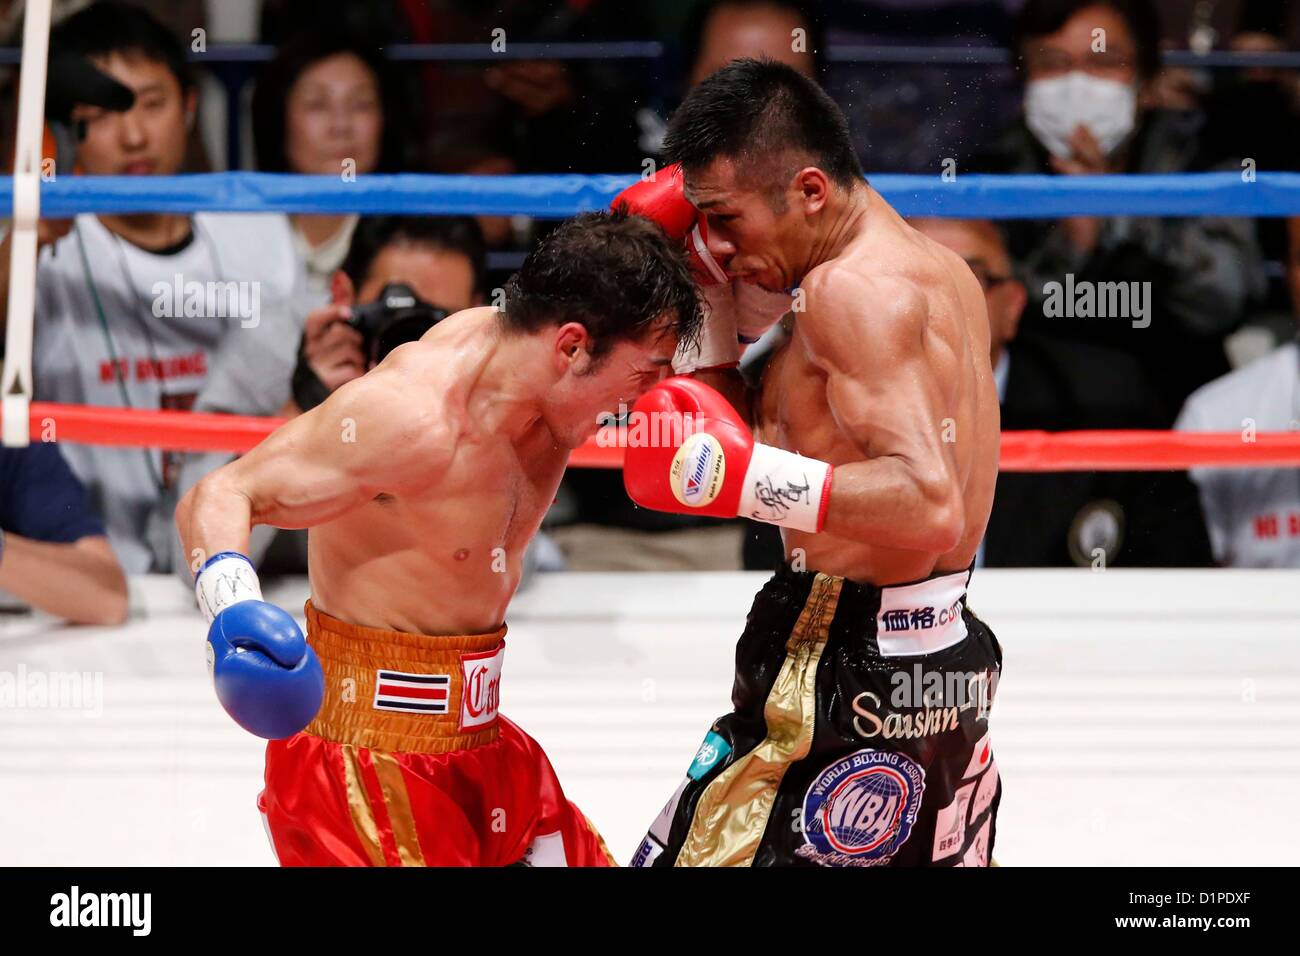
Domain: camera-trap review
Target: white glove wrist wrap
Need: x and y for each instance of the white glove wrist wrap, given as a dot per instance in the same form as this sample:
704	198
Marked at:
786	489
225	579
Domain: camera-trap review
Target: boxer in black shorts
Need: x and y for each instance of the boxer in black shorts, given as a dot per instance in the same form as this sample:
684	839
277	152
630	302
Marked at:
863	682
847	747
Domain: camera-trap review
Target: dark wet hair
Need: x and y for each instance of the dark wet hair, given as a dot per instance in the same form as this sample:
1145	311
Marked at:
615	273
762	112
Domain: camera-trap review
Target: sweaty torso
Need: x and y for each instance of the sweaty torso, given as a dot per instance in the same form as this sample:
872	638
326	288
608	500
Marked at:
442	556
792	412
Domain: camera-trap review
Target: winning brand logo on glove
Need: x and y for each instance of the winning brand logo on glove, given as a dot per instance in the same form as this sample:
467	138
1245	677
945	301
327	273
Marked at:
698	470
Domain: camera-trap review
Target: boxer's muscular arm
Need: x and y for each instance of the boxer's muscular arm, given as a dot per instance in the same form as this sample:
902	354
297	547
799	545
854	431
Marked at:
869	338
368	436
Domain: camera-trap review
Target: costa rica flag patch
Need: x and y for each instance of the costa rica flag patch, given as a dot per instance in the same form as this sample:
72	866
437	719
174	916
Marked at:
412	693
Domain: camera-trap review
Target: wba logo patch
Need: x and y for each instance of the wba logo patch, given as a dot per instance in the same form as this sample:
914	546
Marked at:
412	693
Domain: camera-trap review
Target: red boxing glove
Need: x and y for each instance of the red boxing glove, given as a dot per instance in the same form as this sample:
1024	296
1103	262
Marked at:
663	200
738	314
688	452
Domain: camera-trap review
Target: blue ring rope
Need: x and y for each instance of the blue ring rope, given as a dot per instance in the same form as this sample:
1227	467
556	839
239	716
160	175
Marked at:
968	195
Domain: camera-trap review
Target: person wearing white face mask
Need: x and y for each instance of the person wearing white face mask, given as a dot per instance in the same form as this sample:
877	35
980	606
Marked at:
1087	66
1056	106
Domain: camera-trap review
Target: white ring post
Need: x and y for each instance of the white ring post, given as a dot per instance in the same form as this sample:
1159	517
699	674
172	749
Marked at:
16	384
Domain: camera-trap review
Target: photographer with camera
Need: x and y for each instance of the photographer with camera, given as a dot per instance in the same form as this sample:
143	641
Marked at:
401	275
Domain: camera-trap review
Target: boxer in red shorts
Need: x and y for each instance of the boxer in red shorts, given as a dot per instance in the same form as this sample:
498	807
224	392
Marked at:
387	787
422	483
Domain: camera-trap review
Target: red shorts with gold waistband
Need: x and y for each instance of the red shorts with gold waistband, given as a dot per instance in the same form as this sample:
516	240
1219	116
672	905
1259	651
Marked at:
408	762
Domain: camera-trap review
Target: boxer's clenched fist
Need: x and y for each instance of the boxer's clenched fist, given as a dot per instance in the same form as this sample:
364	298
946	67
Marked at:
702	459
662	200
265	675
738	313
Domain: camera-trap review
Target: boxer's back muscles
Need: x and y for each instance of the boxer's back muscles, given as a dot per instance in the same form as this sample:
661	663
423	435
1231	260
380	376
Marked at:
887	377
421	492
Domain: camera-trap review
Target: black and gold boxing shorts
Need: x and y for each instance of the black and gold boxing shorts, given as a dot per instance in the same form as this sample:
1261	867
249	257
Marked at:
859	735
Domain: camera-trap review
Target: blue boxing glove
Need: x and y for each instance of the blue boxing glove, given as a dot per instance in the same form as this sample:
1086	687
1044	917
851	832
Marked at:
265	675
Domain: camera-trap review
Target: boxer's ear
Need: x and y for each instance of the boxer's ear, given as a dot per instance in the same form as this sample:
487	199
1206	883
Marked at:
813	187
573	348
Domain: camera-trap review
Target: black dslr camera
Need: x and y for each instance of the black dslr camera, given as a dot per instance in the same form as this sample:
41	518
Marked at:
396	317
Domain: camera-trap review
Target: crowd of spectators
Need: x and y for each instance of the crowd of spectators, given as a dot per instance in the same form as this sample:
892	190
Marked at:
1084	92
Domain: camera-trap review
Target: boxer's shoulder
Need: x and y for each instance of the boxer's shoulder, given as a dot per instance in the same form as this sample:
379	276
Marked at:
844	302
852	280
436	371
404	412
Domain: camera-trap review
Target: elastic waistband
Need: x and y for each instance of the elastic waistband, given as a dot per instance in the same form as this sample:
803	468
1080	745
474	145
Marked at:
902	620
865	590
400	692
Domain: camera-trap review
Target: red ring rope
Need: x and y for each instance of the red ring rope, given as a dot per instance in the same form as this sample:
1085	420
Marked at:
1021	451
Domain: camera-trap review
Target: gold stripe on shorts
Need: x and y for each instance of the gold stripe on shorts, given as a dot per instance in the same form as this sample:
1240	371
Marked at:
609	857
398	803
733	810
363	818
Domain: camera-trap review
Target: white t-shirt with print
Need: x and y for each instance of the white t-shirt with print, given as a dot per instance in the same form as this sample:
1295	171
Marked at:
120	326
1253	514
